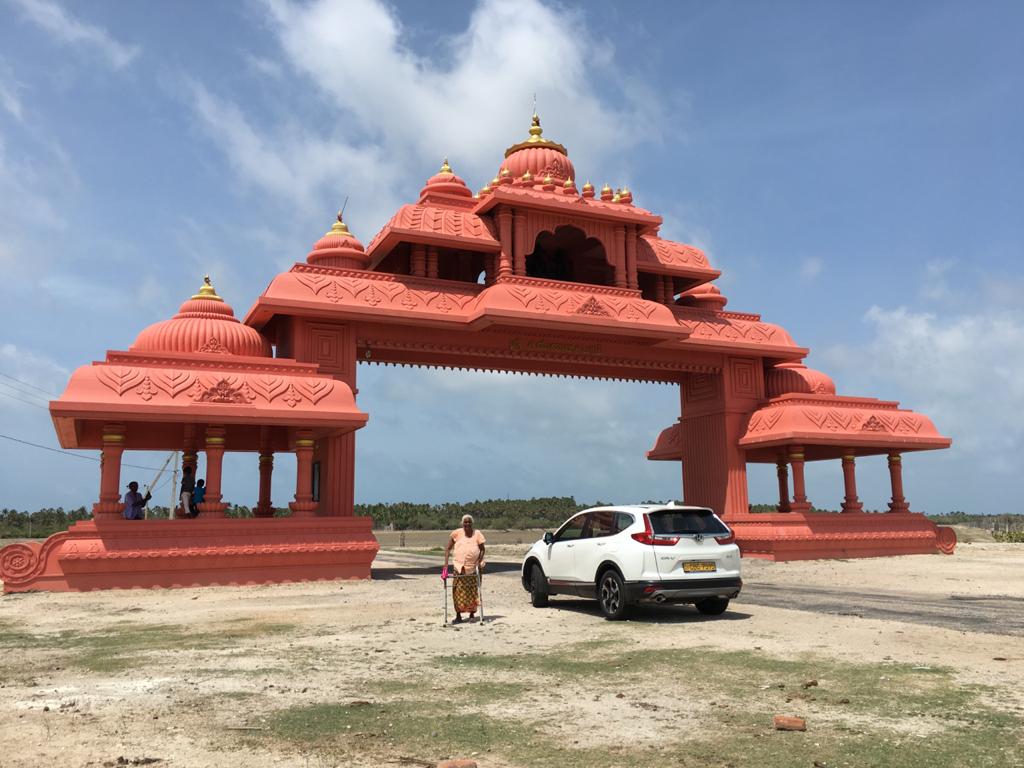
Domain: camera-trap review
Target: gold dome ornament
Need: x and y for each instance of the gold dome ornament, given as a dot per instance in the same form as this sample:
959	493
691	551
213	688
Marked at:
206	291
338	229
445	168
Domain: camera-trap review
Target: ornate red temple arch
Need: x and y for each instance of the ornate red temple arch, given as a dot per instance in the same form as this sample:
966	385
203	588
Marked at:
531	274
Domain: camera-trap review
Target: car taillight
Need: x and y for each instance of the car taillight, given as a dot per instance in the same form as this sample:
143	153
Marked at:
730	539
648	537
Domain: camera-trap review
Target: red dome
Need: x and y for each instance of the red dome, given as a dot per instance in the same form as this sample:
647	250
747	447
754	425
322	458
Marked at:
797	378
205	324
539	156
338	248
706	296
446	182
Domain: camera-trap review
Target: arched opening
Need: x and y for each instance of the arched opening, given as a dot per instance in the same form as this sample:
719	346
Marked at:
568	254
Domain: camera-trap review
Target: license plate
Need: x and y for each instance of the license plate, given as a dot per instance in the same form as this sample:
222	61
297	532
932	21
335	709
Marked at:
699	566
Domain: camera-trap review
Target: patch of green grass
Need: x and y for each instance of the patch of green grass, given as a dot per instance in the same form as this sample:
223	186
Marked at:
125	645
429	731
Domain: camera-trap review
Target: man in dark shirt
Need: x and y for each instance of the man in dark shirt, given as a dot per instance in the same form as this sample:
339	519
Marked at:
188	486
135	502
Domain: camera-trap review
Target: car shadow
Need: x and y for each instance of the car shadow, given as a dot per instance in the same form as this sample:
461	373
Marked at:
648	614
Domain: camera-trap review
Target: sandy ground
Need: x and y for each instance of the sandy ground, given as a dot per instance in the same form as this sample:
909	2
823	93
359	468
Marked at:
193	703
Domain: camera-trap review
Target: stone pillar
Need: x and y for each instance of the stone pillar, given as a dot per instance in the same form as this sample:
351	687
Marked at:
505	236
620	257
418	260
338	475
796	460
190	448
519	244
898	503
431	261
212	505
669	288
850	503
110	506
303	506
782	469
631	281
265	507
659	289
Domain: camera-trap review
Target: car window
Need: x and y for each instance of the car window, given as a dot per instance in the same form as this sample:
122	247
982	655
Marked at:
572	530
683	521
622	521
601	524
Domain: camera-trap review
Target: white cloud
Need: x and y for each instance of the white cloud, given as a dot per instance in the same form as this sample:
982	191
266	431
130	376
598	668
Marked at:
964	371
9	87
28	379
65	28
810	268
392	108
935	287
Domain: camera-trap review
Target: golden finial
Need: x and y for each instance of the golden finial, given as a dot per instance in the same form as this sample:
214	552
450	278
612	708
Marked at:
535	129
569	184
527	176
606	188
339	228
445	168
207	291
505	172
495	181
588	186
548	179
536	138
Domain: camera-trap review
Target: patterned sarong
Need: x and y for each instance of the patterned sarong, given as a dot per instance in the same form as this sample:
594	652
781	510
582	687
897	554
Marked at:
465	594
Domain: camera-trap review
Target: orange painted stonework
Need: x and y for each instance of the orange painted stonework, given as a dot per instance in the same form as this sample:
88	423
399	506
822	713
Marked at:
534	273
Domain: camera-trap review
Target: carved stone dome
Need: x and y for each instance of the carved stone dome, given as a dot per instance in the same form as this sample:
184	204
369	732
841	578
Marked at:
205	324
797	378
446	182
539	157
706	296
339	248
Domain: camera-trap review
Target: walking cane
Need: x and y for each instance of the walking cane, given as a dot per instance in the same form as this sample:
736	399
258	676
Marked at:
480	592
444	592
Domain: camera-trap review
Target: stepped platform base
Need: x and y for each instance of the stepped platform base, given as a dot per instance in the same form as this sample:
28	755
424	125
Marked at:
134	554
825	535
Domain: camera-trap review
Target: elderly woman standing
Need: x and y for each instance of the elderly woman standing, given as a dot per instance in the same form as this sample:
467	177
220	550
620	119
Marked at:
468	544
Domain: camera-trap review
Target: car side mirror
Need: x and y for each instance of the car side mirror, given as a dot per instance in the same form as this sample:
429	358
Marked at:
548	537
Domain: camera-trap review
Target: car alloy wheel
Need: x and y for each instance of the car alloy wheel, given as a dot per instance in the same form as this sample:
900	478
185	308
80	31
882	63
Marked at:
611	596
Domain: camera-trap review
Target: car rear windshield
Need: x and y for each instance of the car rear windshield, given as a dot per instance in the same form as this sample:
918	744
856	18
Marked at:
679	521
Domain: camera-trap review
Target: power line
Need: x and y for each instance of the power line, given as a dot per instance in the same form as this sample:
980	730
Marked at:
37	404
69	453
33	386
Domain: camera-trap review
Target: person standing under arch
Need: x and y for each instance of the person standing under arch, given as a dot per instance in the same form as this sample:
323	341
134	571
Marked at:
467	543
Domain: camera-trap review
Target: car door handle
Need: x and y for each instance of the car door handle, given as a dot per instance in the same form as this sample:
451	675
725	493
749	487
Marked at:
601	543
570	546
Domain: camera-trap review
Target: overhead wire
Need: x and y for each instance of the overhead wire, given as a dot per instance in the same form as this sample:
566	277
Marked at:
35	403
27	384
73	455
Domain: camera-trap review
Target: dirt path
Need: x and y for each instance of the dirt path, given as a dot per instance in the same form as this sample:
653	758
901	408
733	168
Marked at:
363	673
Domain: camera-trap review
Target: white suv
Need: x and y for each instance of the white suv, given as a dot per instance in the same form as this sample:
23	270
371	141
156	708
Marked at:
645	553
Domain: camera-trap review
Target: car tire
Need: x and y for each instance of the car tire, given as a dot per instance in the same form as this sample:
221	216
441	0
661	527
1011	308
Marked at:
713	606
538	588
611	595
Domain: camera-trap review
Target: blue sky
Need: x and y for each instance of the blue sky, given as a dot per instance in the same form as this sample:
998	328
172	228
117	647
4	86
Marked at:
854	170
